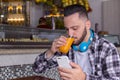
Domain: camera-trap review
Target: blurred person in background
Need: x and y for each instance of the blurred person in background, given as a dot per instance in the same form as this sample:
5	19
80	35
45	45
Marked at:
43	23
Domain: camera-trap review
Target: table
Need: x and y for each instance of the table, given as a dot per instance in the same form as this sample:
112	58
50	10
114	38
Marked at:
33	78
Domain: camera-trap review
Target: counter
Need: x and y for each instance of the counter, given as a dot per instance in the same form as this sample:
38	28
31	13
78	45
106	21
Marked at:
25	45
18	56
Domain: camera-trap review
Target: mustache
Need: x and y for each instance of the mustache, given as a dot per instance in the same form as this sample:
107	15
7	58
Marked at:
74	37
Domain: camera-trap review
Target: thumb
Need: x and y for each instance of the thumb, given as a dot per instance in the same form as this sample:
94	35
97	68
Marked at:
74	65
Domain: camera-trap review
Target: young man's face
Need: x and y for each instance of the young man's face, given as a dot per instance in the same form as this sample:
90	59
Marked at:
76	27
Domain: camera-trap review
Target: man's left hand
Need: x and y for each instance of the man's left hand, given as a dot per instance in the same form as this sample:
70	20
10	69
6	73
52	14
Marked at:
75	73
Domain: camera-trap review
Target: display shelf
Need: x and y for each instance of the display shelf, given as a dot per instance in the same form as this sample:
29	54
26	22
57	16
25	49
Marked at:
24	37
24	45
13	12
113	39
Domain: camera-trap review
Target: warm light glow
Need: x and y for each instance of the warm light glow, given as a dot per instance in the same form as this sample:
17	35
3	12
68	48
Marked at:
10	8
1	16
19	9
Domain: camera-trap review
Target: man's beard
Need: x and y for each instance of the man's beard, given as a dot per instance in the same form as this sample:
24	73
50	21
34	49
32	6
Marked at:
82	37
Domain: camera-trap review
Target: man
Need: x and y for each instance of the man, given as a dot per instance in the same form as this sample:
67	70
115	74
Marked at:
100	61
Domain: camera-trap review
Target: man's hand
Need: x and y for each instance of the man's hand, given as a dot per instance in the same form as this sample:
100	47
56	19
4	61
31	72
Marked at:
55	45
75	73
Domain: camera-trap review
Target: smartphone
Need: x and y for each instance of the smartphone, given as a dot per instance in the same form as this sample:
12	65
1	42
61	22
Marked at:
63	61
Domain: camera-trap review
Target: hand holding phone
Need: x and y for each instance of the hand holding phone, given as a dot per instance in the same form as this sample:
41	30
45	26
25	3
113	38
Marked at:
63	61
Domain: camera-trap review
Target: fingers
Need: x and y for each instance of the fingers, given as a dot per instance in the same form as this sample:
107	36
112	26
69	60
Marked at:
75	73
62	40
64	76
65	70
64	73
58	42
74	65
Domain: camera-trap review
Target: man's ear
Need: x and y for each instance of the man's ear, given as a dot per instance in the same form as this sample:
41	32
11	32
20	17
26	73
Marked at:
88	24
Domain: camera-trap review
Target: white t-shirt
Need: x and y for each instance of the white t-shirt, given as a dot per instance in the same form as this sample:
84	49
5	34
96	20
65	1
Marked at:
82	59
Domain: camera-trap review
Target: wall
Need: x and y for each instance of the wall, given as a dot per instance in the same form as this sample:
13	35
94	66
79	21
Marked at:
36	11
95	16
111	16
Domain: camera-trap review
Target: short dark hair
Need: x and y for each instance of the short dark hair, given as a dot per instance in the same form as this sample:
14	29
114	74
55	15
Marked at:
71	9
42	19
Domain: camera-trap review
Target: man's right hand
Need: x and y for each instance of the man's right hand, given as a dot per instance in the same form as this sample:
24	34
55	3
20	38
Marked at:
55	45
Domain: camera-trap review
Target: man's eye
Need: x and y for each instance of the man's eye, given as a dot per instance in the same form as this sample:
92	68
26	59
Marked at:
74	28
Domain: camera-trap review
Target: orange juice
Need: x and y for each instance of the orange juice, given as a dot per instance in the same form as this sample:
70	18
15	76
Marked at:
65	48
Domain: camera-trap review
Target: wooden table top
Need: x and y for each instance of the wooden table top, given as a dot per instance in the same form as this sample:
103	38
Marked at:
33	78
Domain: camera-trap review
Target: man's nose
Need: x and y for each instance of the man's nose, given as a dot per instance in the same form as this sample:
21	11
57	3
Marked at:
70	34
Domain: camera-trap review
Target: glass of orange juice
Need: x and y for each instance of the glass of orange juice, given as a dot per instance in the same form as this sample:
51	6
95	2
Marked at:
65	48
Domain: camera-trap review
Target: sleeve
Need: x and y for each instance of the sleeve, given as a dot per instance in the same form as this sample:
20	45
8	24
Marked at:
110	67
42	64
